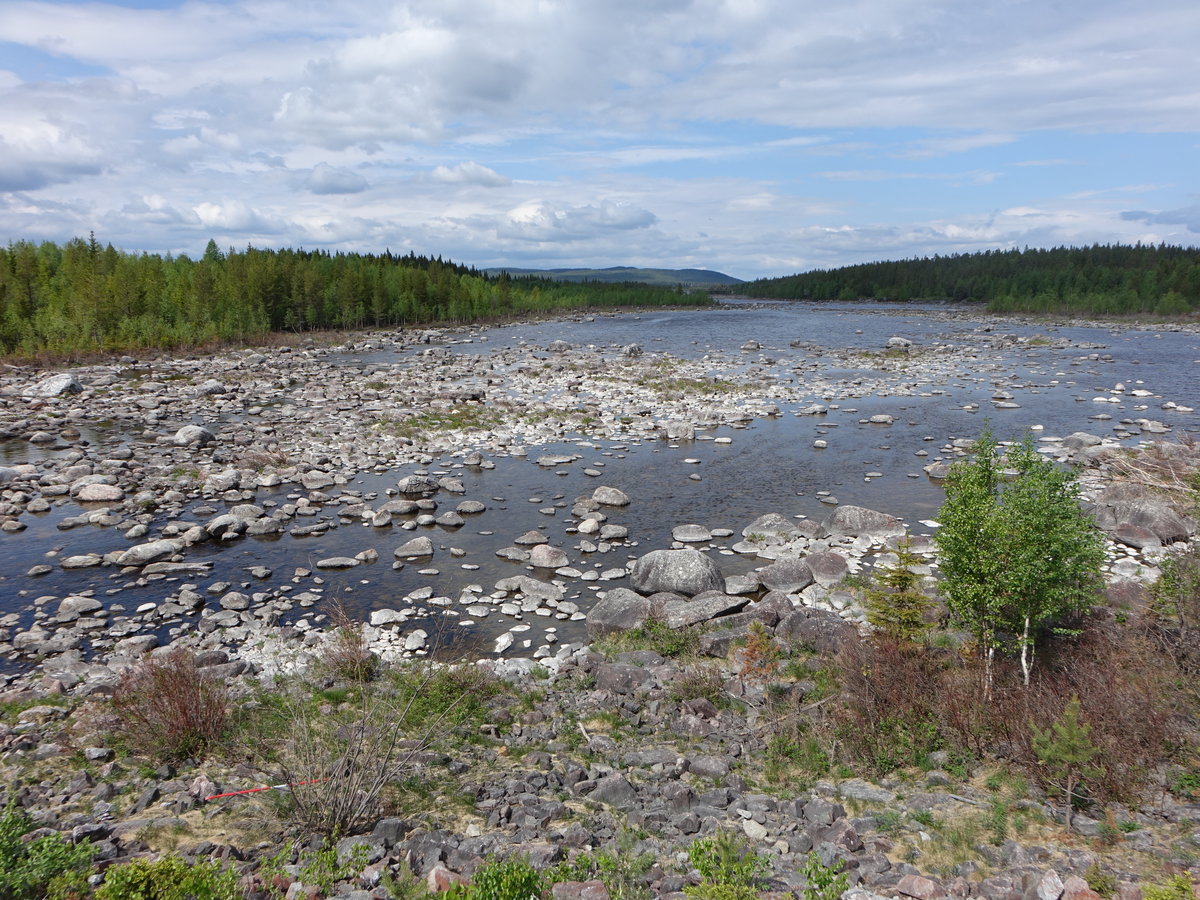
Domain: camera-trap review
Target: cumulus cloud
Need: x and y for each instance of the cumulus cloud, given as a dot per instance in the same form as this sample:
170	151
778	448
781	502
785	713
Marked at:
541	221
325	179
234	216
469	173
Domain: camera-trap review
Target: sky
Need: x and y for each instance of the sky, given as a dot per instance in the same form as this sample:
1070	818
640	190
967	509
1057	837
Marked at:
755	137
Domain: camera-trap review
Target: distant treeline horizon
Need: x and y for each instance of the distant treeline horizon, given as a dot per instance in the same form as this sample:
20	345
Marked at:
84	297
1101	279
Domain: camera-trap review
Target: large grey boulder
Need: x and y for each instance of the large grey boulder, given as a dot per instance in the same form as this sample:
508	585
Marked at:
56	386
854	521
417	547
702	608
417	484
150	551
618	610
827	568
72	607
543	556
770	525
821	629
687	572
610	496
190	435
786	575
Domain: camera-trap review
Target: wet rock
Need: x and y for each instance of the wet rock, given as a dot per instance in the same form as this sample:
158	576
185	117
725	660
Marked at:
687	572
543	556
414	549
150	551
691	534
610	496
417	484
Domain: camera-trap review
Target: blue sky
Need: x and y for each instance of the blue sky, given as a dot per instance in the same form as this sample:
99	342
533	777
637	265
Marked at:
758	137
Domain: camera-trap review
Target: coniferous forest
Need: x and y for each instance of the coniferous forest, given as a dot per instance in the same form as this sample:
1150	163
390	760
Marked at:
83	296
1104	279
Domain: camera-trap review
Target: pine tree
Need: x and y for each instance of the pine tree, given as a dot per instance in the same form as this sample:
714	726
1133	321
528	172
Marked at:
1066	750
896	605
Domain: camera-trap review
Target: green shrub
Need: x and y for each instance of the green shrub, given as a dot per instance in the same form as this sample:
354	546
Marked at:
822	882
169	878
1177	887
502	879
730	869
623	874
46	868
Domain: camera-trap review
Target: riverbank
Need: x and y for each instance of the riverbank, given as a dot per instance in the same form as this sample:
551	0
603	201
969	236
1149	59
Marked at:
381	450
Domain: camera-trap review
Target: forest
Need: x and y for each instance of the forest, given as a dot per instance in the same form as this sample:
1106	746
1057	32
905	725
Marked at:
1108	279
84	297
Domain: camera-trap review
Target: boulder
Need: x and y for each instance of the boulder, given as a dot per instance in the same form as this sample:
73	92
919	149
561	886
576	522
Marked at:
691	534
786	575
854	521
822	629
687	572
100	493
150	551
618	610
190	435
701	608
417	484
417	547
56	386
543	556
610	496
827	568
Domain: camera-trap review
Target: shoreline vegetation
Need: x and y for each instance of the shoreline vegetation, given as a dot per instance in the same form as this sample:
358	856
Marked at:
82	298
1103	279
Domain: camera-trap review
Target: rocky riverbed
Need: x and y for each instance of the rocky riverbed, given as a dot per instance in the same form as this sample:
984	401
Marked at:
362	469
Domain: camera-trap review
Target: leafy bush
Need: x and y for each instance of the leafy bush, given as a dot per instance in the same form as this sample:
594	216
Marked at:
46	868
730	869
1177	887
623	874
169	708
822	882
502	879
653	634
169	878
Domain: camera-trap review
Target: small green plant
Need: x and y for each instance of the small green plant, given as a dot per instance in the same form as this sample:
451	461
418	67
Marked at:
502	879
46	868
169	878
730	869
1177	887
1100	881
346	656
1066	750
653	634
821	882
623	874
923	817
997	821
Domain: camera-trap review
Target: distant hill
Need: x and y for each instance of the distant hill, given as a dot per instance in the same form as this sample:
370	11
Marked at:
626	273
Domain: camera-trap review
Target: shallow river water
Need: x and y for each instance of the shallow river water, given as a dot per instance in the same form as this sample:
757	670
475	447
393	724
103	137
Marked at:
769	466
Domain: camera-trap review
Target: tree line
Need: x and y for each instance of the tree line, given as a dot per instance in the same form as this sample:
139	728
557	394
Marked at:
1100	279
83	296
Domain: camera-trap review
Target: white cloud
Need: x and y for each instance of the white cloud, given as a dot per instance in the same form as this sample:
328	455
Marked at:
541	221
469	173
325	179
